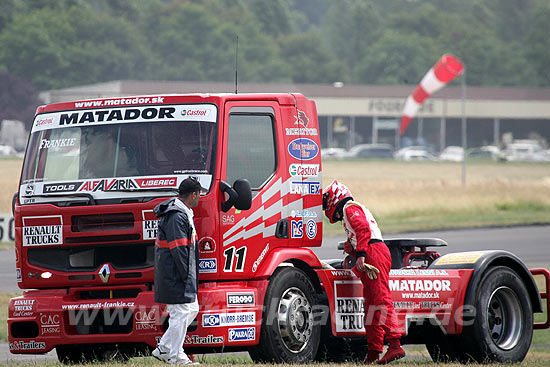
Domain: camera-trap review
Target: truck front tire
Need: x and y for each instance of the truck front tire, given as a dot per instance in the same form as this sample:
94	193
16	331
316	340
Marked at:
290	333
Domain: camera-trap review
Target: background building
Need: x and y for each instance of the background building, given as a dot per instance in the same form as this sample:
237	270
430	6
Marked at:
355	114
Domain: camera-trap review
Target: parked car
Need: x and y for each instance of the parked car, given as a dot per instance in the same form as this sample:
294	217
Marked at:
452	153
485	152
333	152
414	153
370	151
526	151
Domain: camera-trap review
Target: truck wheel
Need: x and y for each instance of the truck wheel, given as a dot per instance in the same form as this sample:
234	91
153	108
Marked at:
502	329
289	332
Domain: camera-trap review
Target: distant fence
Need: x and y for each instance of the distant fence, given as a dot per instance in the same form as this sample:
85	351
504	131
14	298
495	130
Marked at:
7	231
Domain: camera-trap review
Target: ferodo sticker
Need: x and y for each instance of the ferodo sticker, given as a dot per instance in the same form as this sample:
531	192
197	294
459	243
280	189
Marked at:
303	148
240	299
460	258
43	231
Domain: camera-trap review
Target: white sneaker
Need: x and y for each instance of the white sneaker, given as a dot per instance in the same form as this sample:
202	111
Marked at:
160	355
183	362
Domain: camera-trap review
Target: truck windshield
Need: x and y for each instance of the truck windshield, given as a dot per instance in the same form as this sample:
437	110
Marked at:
114	159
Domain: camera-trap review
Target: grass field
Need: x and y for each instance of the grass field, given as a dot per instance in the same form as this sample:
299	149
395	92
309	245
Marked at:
403	196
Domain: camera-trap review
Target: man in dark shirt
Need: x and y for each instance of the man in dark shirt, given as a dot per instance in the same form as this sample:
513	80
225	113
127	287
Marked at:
176	271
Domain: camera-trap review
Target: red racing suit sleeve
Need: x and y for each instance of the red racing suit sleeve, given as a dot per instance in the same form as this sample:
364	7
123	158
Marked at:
360	228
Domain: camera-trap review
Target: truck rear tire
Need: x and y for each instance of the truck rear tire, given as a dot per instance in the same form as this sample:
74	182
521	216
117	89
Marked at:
289	332
502	329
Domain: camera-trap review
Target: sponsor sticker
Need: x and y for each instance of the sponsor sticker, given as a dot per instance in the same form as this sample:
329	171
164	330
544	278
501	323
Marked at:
303	170
149	225
296	229
240	299
303	149
228	319
301	118
146	319
349	306
420	285
209	339
106	185
228	219
157	182
208	265
305	213
50	323
57	143
207	245
61	187
23	307
241	334
414	272
305	187
311	229
42	231
30	345
301	131
18	274
258	261
101	116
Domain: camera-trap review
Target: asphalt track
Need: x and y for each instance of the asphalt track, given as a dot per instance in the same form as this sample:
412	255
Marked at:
530	243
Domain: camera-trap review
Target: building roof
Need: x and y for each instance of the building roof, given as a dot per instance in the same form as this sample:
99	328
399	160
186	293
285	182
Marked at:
139	87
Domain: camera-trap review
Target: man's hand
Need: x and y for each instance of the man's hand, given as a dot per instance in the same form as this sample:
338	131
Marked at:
372	271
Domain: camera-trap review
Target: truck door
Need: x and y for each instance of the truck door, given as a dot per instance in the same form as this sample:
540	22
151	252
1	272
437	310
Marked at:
253	149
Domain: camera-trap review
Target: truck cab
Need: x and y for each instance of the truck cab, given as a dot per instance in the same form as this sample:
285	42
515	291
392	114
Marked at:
85	228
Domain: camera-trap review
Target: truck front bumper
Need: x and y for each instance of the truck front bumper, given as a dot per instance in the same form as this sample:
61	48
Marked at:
40	320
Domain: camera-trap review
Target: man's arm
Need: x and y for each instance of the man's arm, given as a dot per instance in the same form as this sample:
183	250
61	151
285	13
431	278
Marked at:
360	226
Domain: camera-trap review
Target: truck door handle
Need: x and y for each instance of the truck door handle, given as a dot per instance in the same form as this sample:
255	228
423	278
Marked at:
281	231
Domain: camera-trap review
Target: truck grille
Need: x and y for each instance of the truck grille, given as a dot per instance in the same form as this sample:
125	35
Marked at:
102	222
90	258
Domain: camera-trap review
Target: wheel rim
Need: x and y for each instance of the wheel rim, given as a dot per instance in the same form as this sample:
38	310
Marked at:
505	318
295	320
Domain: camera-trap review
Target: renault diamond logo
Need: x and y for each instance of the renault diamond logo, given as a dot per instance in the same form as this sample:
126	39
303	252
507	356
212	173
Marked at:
104	273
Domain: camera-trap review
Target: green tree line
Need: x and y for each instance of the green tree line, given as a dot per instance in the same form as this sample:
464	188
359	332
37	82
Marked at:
64	43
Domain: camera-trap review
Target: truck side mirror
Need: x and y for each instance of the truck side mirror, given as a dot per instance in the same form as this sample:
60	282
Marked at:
233	196
240	195
244	201
13	202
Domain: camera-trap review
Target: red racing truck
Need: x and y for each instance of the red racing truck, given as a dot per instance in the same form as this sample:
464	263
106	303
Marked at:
85	231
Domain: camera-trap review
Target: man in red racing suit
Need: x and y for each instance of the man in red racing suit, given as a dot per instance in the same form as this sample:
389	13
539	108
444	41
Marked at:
373	264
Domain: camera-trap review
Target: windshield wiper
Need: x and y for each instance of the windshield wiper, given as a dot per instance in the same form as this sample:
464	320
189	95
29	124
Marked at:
90	197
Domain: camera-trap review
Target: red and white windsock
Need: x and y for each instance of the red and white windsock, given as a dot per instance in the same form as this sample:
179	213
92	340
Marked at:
445	70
